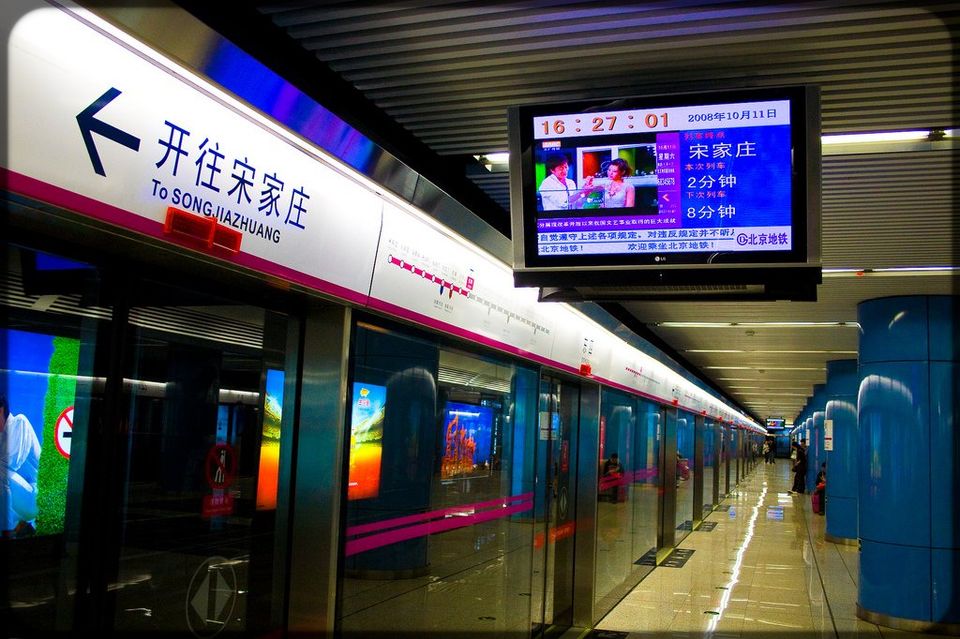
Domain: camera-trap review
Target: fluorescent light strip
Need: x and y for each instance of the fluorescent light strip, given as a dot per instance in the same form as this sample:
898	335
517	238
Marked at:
868	138
495	158
893	271
754	324
765	388
766	393
764	368
753	379
705	350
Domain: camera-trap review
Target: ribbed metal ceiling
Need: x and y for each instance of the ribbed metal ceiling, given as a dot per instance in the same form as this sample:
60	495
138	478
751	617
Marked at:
447	71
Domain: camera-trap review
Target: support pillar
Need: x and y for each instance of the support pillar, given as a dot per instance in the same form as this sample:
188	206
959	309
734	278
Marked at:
909	449
841	422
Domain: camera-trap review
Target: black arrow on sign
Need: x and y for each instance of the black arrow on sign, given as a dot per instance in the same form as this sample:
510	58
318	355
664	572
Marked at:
90	125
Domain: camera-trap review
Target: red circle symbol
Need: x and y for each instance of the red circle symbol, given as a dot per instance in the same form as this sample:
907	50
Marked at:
221	466
63	431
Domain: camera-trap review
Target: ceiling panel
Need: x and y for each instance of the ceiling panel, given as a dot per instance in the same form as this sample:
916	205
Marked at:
447	71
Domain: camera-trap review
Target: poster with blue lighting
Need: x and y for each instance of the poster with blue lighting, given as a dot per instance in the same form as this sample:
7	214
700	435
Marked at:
467	434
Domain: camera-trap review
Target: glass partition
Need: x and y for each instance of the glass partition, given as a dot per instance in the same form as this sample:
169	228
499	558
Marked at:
628	492
685	472
709	466
51	381
206	404
439	509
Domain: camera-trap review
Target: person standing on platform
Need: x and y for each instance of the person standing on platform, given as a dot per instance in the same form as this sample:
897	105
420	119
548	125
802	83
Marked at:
799	468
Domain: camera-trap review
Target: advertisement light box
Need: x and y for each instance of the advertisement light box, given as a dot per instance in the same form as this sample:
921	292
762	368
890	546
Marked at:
718	188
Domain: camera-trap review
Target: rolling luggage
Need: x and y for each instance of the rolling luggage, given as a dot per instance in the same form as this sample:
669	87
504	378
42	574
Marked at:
816	502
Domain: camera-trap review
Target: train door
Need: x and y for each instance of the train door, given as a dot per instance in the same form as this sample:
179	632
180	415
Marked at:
555	537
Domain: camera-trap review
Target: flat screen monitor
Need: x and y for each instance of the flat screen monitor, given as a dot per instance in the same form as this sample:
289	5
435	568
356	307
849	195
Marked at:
692	188
775	423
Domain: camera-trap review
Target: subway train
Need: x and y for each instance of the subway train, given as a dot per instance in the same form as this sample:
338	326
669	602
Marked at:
258	393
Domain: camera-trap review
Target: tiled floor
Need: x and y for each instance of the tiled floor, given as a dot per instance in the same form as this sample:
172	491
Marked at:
765	570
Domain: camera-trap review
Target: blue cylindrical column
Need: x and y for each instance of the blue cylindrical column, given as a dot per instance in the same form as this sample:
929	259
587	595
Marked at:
841	418
815	438
909	521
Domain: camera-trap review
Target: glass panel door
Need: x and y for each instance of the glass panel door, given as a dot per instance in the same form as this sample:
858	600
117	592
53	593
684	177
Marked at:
559	424
201	421
685	474
51	383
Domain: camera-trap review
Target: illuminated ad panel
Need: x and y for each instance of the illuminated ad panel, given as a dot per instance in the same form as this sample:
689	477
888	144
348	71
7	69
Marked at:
366	440
269	471
713	177
38	383
466	441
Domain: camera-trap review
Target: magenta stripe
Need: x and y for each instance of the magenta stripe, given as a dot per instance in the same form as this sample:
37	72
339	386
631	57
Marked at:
363	544
609	482
55	195
396	522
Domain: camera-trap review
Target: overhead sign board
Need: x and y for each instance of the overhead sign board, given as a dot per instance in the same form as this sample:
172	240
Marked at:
139	134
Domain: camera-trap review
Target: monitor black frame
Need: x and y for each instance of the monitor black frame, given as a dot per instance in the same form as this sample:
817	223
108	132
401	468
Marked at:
799	264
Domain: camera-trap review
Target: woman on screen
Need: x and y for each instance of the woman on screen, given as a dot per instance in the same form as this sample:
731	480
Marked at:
617	193
558	192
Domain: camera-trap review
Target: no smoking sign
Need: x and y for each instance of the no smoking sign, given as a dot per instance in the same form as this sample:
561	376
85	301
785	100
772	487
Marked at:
64	432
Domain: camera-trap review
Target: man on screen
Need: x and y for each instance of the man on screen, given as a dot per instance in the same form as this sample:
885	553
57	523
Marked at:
20	450
557	191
